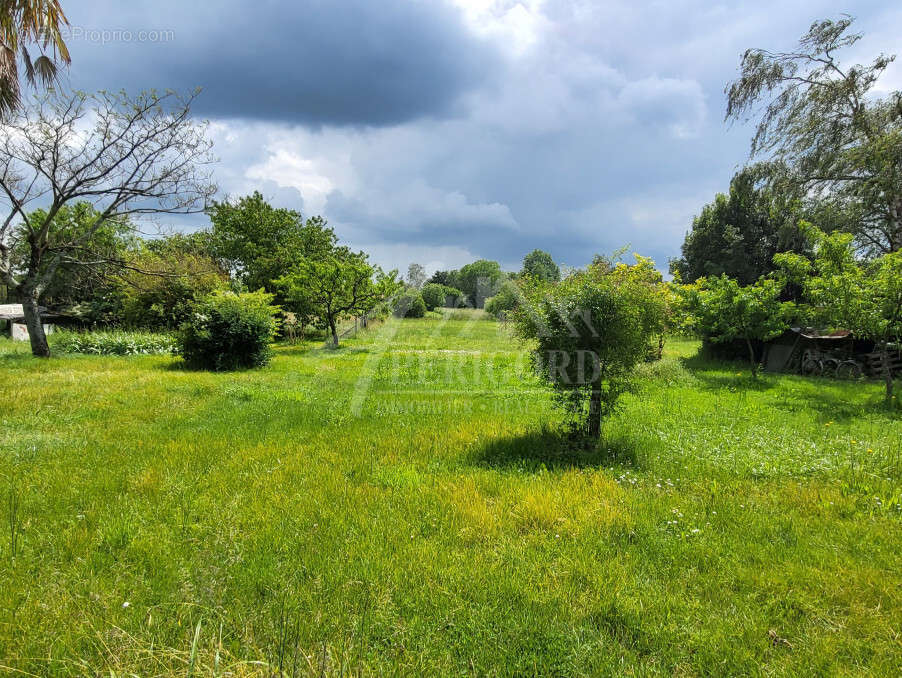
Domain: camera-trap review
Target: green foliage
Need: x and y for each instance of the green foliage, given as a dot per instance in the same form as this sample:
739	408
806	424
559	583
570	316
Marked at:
505	300
409	304
722	310
139	155
844	293
657	316
540	264
479	280
261	243
433	295
228	331
454	297
738	234
339	284
591	331
436	295
83	278
114	342
821	120
447	278
33	33
164	279
416	275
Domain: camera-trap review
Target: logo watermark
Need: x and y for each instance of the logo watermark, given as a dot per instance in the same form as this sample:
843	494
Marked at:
461	380
106	36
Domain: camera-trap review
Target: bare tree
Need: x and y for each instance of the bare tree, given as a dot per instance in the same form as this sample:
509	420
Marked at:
127	156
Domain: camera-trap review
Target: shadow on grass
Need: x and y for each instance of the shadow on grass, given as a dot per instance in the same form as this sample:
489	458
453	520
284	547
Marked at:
548	449
835	401
179	365
318	347
11	358
710	374
830	398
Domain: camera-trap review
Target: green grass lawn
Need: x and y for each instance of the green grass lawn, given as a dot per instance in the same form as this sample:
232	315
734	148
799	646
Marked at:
403	506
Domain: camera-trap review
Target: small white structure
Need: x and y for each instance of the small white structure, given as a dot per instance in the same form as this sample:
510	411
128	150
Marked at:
12	316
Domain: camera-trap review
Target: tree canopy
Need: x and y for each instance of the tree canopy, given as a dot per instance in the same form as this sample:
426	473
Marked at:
342	282
540	264
479	280
739	233
262	243
821	122
842	292
723	310
164	278
126	156
416	275
591	330
73	280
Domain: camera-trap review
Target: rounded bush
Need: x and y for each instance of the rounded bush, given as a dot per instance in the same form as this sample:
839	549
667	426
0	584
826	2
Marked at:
229	331
409	304
433	295
506	300
454	297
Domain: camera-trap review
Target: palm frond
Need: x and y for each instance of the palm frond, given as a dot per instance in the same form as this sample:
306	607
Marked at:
9	95
29	66
46	70
38	22
8	66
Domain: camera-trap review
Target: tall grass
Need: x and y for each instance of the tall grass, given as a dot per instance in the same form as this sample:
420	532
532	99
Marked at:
114	342
177	523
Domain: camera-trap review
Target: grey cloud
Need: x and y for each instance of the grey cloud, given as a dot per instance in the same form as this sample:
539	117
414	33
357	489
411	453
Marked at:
348	62
607	132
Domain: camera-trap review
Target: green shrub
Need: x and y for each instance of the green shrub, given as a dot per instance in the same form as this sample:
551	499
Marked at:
114	342
229	331
183	273
591	330
454	297
433	295
409	304
507	299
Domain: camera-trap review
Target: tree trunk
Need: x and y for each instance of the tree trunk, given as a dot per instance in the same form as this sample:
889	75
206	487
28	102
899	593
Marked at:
36	336
887	372
334	334
752	362
595	410
895	236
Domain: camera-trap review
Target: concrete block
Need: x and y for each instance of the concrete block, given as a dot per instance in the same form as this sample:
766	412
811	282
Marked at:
19	331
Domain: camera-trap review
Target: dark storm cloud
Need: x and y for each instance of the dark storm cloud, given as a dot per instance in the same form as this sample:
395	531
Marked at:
348	62
573	126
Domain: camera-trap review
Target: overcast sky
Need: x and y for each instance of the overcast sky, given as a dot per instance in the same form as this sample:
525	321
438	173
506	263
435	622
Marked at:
441	132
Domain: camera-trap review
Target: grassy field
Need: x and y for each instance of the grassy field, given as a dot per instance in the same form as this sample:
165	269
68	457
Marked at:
403	506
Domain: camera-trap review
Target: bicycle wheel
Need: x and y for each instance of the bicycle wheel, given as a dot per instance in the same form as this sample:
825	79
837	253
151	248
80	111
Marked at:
829	367
848	370
812	368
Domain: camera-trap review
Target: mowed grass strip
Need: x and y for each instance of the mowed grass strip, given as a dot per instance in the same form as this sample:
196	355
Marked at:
405	506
